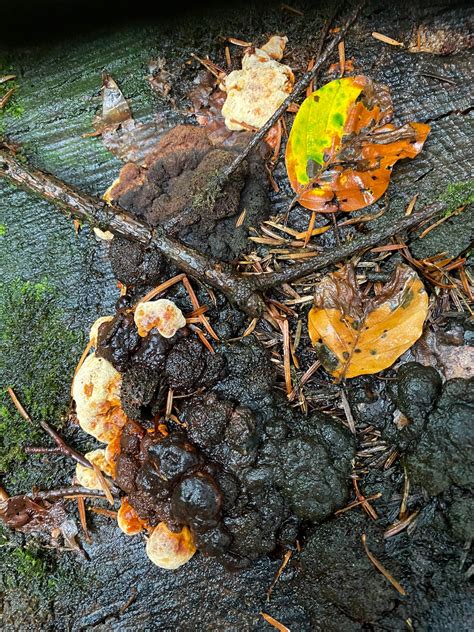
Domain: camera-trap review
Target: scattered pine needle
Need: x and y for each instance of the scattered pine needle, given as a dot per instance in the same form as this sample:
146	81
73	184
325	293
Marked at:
382	568
18	406
314	231
364	502
411	205
348	413
310	88
276	624
202	338
285	327
406	491
82	516
195	302
228	60
6	78
103	483
286	7
309	232
84	355
250	328
286	559
161	288
440	221
357	503
241	218
4	100
108	513
342	57
386	39
238	42
400	525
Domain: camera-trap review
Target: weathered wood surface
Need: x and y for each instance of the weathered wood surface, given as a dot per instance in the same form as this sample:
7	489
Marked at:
58	92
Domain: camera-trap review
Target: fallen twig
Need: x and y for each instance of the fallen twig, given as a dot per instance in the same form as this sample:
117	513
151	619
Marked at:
242	290
298	89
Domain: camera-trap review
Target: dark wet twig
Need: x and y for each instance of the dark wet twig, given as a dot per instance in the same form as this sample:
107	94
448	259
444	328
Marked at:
84	207
66	492
61	444
265	281
298	89
242	291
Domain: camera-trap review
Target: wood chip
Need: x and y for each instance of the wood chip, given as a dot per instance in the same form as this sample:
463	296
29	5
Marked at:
382	568
276	624
386	39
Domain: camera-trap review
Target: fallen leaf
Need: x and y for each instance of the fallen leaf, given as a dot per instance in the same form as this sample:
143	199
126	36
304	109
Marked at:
121	135
439	40
355	334
255	92
159	77
115	109
452	360
342	146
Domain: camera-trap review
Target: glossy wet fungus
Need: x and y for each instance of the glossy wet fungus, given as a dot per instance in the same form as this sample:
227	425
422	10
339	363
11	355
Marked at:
242	471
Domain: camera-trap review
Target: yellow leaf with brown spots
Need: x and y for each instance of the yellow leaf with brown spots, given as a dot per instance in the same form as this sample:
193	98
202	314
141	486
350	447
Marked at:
355	334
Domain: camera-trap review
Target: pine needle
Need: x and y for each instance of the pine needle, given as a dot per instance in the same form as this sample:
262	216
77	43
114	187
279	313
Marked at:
388	576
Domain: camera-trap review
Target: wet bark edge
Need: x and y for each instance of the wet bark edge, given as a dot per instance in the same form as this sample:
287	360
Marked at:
242	290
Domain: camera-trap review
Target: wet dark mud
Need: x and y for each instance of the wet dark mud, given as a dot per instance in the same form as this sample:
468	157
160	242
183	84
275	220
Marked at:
285	476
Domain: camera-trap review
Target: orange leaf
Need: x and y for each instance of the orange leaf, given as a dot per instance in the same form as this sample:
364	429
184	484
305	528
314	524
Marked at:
356	334
342	146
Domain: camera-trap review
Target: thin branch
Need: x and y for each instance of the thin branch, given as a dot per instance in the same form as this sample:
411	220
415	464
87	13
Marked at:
86	208
265	281
62	445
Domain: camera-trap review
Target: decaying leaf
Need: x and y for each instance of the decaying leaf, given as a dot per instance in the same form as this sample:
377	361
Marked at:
342	146
439	40
255	92
115	109
38	516
356	334
121	135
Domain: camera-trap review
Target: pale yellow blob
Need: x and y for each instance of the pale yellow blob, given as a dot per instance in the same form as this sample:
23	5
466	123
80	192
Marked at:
256	92
170	550
162	315
128	520
86	476
106	235
96	391
95	328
